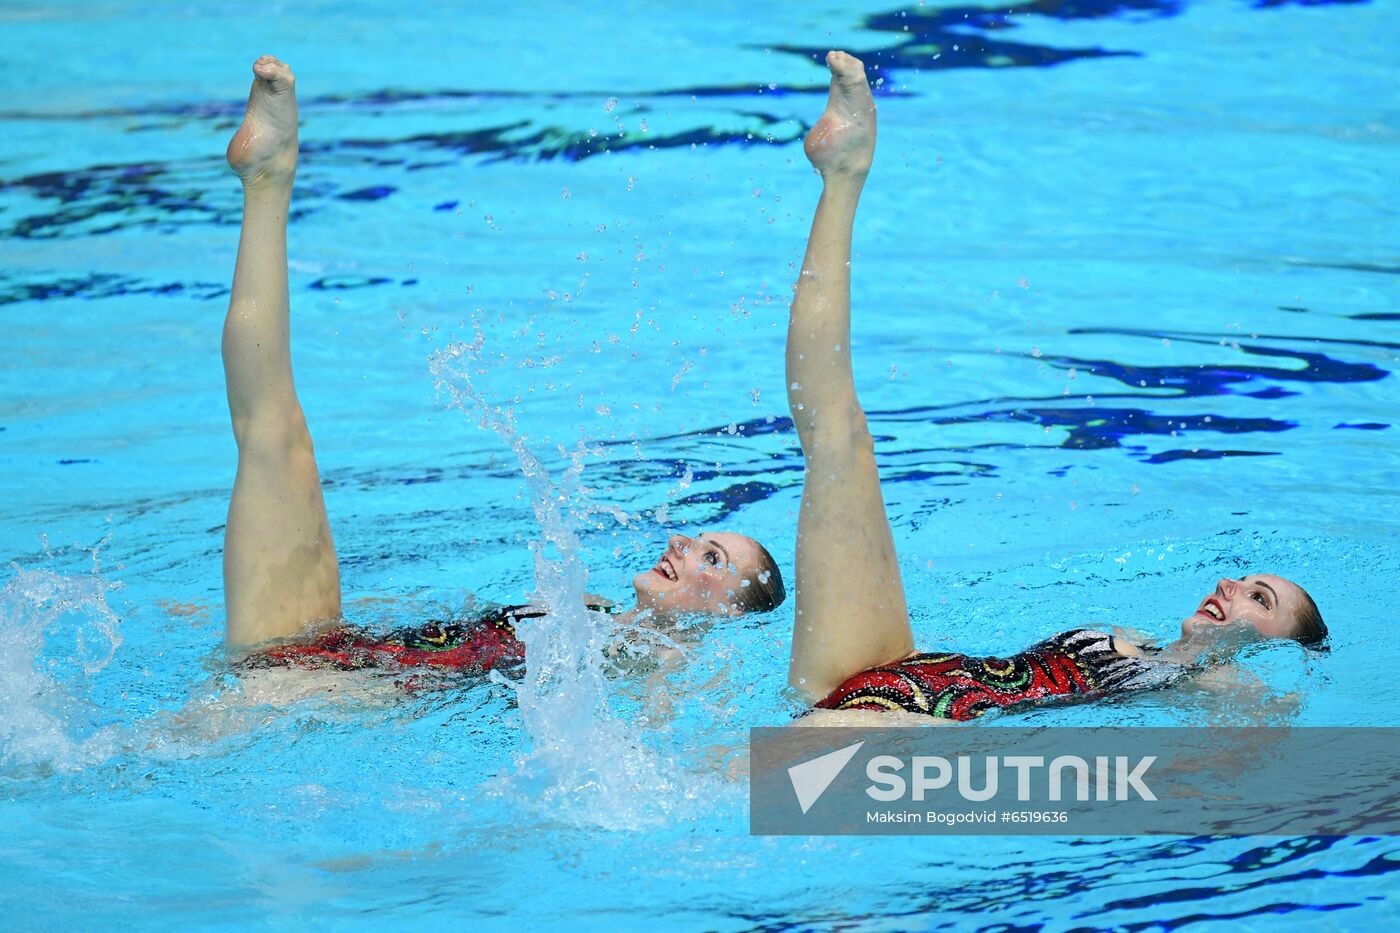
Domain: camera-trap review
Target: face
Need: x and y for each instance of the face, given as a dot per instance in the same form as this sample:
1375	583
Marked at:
1268	604
698	575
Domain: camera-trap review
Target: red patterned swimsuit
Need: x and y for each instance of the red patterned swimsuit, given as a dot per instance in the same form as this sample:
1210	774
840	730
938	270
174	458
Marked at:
472	647
1081	664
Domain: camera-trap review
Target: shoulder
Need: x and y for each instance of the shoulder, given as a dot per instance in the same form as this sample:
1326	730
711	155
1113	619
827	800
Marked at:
1093	641
1079	640
1119	663
513	613
1126	648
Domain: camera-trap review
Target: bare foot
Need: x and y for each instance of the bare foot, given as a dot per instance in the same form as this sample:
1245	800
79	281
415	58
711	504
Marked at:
843	141
265	146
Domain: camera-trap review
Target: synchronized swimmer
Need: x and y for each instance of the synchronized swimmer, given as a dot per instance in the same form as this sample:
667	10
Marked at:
281	574
853	656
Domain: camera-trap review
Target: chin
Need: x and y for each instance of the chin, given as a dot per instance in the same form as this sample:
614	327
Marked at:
645	597
1194	626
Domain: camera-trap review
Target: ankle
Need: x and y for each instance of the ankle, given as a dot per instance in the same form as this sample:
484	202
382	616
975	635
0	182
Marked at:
842	188
265	183
845	178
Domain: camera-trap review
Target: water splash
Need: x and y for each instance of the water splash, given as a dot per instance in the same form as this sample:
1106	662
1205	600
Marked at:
56	631
585	764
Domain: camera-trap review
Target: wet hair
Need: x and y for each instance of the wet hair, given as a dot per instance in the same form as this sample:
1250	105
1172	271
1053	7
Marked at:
1309	630
766	591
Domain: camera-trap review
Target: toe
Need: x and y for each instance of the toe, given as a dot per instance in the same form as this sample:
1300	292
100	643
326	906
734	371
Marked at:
271	68
844	65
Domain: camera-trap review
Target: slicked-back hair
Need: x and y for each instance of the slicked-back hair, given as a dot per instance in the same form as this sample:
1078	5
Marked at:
766	591
1310	631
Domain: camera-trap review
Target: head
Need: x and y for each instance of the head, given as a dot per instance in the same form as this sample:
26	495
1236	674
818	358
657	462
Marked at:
1270	605
715	573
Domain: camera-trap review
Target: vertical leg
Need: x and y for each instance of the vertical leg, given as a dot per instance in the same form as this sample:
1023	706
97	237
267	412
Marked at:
280	568
851	612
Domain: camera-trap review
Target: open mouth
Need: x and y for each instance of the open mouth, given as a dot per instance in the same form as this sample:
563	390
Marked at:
665	569
1212	608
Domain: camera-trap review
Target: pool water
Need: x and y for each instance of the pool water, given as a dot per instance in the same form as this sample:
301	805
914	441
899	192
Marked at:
1125	299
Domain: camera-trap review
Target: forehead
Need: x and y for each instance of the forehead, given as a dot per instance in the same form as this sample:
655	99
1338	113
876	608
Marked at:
742	549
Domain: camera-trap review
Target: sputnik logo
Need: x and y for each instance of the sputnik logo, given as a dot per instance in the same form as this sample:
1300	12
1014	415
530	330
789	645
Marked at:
811	778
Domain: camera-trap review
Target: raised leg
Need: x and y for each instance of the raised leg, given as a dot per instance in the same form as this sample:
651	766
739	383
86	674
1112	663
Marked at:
280	569
851	612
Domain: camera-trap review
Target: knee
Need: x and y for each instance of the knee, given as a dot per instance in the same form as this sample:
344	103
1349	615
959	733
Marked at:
844	431
283	433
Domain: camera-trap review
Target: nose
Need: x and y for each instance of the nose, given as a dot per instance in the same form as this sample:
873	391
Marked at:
1226	587
678	543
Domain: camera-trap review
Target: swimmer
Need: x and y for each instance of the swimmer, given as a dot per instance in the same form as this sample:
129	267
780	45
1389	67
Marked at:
853	651
281	575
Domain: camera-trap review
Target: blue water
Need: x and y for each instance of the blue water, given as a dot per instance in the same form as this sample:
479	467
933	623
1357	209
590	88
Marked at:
1126	321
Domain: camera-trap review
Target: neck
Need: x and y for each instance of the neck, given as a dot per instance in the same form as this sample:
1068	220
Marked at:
1220	643
639	617
1185	650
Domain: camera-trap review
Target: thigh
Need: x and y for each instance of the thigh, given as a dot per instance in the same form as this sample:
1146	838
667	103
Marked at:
851	611
280	567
